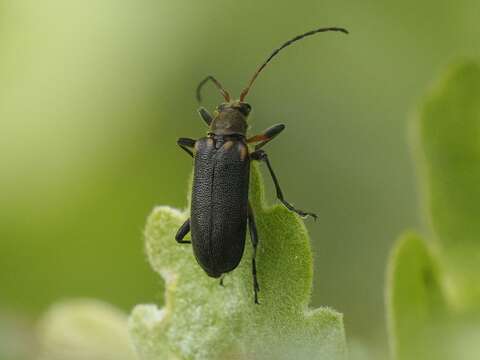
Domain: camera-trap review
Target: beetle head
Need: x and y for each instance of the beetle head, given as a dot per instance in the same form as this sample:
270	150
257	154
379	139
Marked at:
231	118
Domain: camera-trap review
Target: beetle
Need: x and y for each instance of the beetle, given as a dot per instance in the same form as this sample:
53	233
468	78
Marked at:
220	210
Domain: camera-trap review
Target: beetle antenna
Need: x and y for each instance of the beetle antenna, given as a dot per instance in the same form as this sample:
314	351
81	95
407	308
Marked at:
276	51
224	92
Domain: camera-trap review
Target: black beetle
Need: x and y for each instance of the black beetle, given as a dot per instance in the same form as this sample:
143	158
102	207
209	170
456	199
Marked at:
220	209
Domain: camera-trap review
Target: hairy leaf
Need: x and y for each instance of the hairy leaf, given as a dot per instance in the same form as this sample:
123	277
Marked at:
203	320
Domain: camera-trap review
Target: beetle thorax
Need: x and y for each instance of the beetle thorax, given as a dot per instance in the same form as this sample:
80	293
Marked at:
229	121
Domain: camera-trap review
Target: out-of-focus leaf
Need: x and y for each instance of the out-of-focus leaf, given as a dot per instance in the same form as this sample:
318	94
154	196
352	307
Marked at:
433	288
17	341
84	330
448	131
417	307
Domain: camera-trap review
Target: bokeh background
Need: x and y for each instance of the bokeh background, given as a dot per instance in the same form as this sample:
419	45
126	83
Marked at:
93	96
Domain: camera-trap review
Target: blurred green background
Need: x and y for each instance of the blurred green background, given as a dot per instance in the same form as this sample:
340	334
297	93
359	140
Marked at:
94	95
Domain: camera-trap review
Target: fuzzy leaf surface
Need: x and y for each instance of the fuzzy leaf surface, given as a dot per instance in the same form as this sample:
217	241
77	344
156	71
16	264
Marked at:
203	320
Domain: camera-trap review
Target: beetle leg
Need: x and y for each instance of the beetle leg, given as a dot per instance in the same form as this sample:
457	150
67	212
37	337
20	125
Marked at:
262	156
266	136
186	144
205	115
221	280
252	227
184	230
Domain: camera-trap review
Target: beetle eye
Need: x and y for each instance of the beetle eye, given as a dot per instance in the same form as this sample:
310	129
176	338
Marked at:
245	109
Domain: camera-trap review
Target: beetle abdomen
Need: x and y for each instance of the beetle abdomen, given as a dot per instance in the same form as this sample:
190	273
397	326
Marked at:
219	204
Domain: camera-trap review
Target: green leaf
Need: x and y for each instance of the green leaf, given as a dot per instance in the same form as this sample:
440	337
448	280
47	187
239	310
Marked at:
203	320
418	311
423	324
84	330
433	288
448	148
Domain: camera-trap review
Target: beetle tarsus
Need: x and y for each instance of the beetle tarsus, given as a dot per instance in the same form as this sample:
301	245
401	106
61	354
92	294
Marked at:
303	214
186	144
266	136
182	232
205	115
261	155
